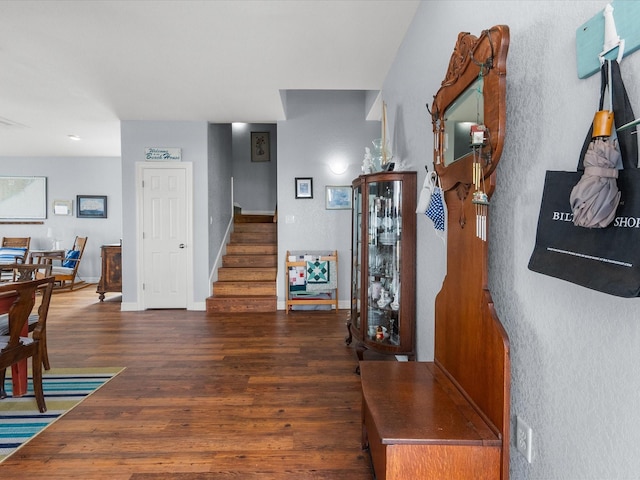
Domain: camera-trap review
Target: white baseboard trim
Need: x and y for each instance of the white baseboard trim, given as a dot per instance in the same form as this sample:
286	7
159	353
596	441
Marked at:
342	305
135	307
258	212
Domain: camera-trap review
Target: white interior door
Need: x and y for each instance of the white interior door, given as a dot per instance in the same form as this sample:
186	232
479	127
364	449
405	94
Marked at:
164	238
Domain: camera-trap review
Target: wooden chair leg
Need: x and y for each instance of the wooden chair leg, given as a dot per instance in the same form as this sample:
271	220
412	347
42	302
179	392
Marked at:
3	393
37	381
44	352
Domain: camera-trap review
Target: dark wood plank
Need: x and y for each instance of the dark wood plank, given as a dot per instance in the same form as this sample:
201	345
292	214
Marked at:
204	396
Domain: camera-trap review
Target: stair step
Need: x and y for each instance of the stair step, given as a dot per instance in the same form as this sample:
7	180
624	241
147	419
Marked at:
241	304
247	274
244	289
253	237
256	227
240	218
249	261
252	249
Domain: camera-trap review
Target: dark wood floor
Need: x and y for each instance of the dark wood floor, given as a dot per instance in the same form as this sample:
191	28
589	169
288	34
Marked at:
203	396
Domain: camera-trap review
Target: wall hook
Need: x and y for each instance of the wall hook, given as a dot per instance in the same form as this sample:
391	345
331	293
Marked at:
611	38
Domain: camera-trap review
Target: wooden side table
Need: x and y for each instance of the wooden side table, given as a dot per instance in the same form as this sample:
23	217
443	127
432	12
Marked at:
40	256
111	277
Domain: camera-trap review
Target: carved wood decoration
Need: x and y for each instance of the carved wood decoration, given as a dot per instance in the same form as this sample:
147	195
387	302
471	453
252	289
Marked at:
471	345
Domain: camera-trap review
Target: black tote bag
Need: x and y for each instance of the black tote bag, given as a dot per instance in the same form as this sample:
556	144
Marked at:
602	259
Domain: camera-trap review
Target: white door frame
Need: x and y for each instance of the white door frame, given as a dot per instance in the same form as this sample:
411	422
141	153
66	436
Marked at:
188	169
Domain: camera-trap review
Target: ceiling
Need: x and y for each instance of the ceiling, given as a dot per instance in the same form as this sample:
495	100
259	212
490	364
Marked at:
80	67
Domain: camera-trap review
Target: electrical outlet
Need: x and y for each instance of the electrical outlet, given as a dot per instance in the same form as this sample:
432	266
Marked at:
524	436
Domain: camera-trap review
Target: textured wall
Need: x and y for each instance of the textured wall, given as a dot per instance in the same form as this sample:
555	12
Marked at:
320	126
255	184
192	138
574	351
66	178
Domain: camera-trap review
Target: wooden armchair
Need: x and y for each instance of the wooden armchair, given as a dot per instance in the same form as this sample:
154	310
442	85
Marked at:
15	347
13	250
24	272
65	273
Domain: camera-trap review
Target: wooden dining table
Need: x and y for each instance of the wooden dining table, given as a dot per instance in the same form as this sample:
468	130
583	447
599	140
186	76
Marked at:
19	369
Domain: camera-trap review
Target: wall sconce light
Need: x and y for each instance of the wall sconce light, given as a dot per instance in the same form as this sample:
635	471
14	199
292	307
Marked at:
338	165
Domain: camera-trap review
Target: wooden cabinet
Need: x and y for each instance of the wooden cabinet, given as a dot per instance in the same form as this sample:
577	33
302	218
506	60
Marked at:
383	296
111	278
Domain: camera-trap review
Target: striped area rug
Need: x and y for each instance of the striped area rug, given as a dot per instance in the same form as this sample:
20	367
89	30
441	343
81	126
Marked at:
64	388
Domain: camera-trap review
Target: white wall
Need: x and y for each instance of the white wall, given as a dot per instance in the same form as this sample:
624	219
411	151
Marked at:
219	195
192	138
255	183
574	351
66	178
320	127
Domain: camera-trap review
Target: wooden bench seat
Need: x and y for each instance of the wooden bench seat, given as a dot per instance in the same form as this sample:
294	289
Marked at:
417	424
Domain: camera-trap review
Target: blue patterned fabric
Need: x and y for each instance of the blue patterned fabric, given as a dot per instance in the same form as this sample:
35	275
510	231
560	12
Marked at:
9	254
435	210
71	258
318	272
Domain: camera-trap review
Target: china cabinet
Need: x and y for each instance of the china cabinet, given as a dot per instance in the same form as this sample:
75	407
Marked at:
111	278
383	304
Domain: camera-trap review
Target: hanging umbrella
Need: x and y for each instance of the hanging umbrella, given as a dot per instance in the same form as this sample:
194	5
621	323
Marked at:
595	198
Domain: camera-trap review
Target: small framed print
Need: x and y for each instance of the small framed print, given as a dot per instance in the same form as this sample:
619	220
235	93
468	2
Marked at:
338	197
91	206
260	147
304	187
62	207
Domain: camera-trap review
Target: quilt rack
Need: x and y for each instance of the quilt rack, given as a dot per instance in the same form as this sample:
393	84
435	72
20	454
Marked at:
311	280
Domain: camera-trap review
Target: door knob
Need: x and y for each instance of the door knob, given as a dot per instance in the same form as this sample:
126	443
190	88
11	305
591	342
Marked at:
181	245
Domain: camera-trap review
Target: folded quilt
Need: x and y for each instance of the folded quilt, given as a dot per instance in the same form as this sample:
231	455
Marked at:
318	272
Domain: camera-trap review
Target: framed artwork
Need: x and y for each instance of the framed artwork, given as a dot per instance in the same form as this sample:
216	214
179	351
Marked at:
23	197
260	147
62	207
304	187
338	197
91	206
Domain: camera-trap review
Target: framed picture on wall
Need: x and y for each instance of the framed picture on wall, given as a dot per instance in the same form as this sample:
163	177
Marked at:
23	198
260	147
338	197
304	187
62	207
91	206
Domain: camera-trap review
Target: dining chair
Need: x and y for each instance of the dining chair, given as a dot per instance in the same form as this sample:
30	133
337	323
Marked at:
16	346
25	272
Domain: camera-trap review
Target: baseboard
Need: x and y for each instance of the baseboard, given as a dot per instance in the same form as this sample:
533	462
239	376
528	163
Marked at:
135	307
257	212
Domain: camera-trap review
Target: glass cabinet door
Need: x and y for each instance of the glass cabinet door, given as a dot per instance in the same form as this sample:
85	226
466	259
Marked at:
356	251
383	264
384	220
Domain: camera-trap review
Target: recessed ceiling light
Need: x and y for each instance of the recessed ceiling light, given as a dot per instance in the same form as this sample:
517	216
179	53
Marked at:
74	137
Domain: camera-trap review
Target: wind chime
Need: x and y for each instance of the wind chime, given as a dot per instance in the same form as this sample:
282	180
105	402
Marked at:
478	139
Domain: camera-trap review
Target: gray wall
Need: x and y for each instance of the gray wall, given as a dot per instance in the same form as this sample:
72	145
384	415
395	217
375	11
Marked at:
192	138
220	201
254	183
320	127
574	351
66	178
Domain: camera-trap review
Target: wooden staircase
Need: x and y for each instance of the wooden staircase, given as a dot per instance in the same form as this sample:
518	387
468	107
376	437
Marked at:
247	278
